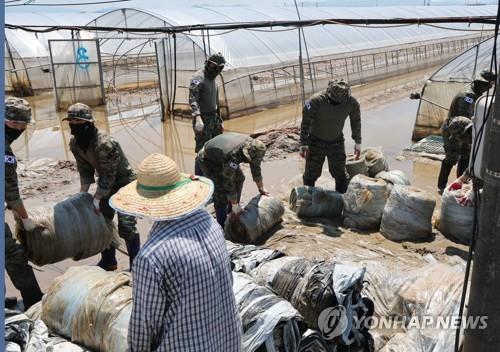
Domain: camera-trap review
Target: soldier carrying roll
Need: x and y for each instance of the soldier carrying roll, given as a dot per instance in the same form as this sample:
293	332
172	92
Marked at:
203	100
220	161
321	133
461	106
98	153
17	118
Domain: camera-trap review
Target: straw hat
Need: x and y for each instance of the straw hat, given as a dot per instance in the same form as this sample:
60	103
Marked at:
161	192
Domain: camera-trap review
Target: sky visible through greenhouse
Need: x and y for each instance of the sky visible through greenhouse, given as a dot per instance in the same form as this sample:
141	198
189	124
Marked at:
106	5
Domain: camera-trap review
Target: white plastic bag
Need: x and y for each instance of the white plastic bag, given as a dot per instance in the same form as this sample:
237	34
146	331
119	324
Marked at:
408	214
456	221
364	202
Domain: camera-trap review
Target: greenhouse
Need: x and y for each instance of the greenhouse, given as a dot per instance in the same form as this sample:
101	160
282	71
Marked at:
263	67
442	86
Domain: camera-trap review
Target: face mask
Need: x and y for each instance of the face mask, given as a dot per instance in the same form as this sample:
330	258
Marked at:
212	71
83	134
11	134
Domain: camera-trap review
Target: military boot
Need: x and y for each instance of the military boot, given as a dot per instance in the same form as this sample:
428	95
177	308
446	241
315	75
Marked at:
108	259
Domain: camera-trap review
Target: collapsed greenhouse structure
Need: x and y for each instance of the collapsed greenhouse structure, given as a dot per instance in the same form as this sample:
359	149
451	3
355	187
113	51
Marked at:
263	69
445	83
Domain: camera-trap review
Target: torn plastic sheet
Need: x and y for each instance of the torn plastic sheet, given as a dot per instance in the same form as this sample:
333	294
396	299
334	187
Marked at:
269	321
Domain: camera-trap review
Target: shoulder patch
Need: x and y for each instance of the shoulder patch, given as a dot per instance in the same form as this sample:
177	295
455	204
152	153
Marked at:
195	82
468	100
233	165
10	159
308	105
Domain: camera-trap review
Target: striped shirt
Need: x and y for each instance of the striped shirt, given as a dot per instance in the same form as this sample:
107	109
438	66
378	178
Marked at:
182	290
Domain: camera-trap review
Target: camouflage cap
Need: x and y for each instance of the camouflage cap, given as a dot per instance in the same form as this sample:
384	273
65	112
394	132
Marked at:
80	111
254	150
338	90
217	59
459	125
486	76
17	109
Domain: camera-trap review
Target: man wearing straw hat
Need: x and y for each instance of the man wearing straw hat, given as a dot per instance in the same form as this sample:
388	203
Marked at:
220	161
17	118
182	293
97	153
203	100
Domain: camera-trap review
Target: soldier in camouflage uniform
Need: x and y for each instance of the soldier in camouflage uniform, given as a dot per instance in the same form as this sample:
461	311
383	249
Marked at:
17	117
98	153
203	99
462	105
323	118
220	160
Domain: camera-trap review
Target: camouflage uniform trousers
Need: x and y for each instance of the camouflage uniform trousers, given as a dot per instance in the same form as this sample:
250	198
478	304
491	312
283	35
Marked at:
212	127
335	152
455	151
214	173
126	224
19	271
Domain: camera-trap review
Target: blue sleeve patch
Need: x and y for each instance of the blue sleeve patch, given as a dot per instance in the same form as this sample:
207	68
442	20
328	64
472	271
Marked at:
308	105
10	159
195	82
469	100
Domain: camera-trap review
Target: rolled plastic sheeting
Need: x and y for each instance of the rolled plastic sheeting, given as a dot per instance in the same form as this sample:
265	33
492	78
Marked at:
307	285
408	214
259	216
375	160
245	258
356	166
269	322
456	221
364	202
70	229
312	341
308	201
91	307
394	177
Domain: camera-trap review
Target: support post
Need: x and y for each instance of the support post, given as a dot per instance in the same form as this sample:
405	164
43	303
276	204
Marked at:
485	281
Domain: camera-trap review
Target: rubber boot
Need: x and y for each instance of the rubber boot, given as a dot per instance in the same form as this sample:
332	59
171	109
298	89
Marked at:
108	259
221	215
133	247
443	175
308	182
463	164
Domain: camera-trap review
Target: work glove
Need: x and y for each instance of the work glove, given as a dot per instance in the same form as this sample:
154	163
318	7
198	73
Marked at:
357	150
467	199
96	204
264	192
198	124
28	224
457	184
304	151
236	209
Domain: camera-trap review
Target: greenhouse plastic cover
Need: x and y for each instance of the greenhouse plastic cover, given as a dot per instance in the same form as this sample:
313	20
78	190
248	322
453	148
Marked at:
248	48
442	86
